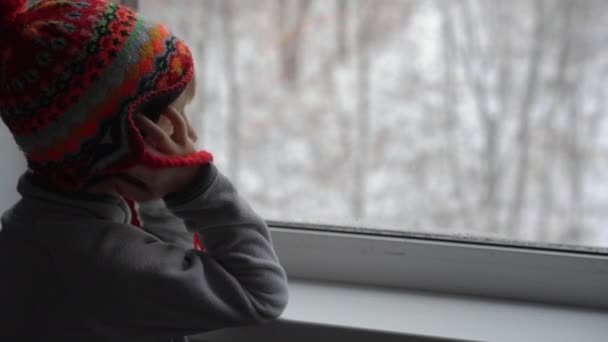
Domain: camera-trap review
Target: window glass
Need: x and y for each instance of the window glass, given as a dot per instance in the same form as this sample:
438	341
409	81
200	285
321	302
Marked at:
13	166
458	117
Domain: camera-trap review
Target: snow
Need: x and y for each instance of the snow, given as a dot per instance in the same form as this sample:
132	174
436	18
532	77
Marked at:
427	166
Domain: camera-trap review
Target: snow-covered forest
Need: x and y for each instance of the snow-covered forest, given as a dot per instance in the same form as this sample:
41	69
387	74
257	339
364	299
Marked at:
475	116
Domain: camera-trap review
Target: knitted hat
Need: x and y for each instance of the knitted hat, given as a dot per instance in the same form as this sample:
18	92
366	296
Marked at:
72	75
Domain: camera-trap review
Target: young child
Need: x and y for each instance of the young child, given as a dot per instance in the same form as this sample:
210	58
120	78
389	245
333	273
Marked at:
93	95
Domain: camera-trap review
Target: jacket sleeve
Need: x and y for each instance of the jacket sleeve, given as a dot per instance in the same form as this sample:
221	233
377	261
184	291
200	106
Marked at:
126	282
159	221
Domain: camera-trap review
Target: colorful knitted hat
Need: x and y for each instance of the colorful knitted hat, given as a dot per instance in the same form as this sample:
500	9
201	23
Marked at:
72	75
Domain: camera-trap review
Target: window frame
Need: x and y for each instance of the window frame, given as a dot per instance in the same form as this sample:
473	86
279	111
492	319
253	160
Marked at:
428	262
542	273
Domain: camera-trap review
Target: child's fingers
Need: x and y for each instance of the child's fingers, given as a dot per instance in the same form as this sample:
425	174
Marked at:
156	134
191	132
165	124
180	129
150	146
152	149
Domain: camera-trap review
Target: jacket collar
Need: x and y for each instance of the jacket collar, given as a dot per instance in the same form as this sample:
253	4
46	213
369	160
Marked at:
39	198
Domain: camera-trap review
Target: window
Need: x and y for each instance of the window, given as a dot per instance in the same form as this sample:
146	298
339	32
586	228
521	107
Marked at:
435	145
448	146
463	118
11	169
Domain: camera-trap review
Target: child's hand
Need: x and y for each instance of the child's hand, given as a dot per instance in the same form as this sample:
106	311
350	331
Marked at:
145	184
173	136
167	126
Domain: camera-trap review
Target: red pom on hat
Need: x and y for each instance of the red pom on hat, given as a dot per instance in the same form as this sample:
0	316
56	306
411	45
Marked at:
9	10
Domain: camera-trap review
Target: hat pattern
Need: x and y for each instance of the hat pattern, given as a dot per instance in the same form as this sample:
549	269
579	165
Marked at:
72	75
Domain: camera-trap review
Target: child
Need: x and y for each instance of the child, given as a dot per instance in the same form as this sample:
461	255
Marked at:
74	77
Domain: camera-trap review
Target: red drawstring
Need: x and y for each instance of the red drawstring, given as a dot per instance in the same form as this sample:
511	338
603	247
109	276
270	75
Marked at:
137	223
134	216
197	243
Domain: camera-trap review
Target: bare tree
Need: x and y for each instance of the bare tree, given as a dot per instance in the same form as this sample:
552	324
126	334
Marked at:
472	53
369	28
233	89
529	96
450	116
200	45
292	17
549	139
502	133
364	17
342	10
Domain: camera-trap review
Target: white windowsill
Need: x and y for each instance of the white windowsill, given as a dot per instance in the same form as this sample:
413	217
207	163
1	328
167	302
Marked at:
445	316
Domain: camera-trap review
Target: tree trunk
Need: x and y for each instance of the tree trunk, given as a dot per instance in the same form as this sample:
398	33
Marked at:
197	119
519	197
233	94
291	24
490	123
359	203
574	231
450	119
549	140
342	7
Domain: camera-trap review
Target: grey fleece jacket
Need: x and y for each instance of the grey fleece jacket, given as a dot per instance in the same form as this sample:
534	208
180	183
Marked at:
72	268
